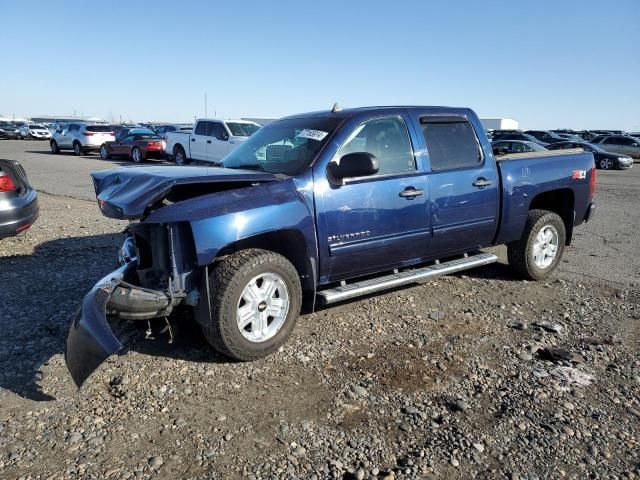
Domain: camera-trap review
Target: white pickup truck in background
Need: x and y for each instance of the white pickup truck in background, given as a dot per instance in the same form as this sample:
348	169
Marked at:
210	141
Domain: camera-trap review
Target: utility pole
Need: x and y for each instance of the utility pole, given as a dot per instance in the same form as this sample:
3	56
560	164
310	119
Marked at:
205	105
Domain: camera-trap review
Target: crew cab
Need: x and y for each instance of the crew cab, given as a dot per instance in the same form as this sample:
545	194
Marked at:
320	208
210	140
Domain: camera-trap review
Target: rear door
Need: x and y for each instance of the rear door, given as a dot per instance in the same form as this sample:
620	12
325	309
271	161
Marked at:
463	186
198	141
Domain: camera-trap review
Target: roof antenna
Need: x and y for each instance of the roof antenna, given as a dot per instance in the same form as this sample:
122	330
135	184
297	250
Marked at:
336	107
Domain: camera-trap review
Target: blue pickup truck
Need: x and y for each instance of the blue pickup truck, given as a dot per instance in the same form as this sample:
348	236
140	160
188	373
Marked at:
320	208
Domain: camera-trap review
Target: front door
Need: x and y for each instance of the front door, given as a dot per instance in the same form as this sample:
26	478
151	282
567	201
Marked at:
463	184
370	224
217	142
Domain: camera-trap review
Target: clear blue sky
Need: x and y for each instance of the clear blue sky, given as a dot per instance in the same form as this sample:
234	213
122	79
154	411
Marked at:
572	63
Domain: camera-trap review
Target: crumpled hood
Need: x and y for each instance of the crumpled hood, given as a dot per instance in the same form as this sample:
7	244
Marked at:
130	192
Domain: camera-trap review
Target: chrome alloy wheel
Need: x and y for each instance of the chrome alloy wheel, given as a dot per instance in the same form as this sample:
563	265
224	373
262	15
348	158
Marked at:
545	247
263	307
606	163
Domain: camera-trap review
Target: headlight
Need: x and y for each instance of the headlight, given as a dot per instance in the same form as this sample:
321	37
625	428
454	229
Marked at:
624	159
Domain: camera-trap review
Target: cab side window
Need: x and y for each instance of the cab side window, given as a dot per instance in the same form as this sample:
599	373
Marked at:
385	138
201	128
451	143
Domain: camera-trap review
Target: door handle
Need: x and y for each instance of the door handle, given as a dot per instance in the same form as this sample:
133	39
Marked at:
208	141
193	139
411	192
482	182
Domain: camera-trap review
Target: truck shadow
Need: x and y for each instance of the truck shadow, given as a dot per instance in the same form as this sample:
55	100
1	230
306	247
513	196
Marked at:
40	293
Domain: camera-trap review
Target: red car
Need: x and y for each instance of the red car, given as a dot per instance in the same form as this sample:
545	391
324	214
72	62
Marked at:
138	144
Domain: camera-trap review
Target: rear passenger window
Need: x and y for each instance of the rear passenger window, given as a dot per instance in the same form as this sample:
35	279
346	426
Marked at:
201	128
387	139
451	143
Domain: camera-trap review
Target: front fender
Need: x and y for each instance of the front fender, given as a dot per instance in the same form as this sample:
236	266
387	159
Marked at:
219	219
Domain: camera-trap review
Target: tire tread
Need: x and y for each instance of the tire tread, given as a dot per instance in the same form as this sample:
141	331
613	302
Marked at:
226	277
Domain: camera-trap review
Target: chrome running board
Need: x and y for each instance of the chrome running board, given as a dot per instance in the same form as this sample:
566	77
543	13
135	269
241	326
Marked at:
405	277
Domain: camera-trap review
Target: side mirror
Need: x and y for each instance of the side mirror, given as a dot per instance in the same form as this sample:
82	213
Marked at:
357	164
224	136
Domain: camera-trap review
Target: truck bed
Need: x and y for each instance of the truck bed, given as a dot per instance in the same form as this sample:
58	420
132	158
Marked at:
542	153
526	176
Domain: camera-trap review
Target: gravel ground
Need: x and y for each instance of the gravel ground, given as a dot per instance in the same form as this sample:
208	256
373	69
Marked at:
475	375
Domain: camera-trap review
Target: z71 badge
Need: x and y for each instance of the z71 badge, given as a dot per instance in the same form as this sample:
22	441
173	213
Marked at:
579	175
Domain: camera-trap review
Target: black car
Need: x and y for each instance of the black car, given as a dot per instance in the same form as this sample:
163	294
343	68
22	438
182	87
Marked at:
8	130
523	137
18	201
503	147
604	160
545	136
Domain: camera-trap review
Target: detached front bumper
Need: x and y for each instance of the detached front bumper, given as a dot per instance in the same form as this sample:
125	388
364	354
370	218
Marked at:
91	340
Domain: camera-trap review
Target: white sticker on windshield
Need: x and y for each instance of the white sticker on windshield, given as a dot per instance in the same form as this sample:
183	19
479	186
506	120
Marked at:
312	134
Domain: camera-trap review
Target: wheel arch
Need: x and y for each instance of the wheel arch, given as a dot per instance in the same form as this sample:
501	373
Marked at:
289	243
561	202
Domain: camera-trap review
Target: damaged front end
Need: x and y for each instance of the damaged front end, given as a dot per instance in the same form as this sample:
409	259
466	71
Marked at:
150	283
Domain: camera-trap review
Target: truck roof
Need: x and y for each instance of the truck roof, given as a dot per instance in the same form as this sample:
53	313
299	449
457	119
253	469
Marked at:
349	112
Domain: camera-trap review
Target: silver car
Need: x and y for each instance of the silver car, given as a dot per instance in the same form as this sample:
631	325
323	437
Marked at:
34	131
620	144
81	138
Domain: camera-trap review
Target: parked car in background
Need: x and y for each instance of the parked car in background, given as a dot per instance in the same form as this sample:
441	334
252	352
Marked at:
623	144
503	147
586	135
545	136
317	209
210	141
604	160
524	137
163	130
635	134
8	130
137	144
81	138
34	131
18	200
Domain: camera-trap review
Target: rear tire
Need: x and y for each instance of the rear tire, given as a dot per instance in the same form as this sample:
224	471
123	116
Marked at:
77	148
136	155
255	299
537	254
54	147
179	156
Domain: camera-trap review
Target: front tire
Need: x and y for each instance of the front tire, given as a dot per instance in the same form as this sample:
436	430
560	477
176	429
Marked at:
537	254
605	163
104	152
54	147
255	299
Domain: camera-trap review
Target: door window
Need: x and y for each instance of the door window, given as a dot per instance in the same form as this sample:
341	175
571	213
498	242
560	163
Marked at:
201	128
451	143
215	129
385	138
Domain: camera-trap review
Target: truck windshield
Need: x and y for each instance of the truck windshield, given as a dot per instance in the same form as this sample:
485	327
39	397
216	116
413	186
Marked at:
284	146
